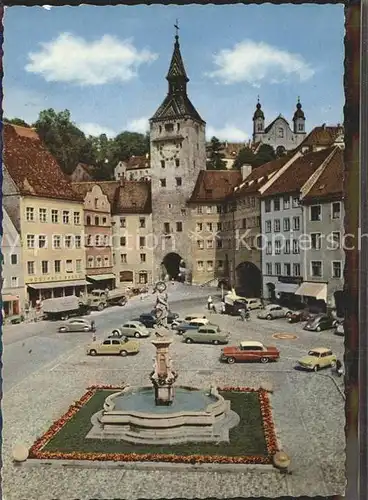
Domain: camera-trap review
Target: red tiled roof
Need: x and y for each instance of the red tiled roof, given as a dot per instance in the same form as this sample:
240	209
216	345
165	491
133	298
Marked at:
259	176
133	197
214	185
32	167
330	184
297	174
323	136
136	162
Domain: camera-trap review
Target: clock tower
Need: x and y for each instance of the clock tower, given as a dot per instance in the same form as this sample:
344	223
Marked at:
178	153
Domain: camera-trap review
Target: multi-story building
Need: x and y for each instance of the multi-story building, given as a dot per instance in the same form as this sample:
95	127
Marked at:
178	154
12	290
133	236
278	133
98	231
47	213
323	256
137	168
282	223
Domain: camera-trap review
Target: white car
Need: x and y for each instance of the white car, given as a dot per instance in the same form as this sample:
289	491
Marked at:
273	311
198	318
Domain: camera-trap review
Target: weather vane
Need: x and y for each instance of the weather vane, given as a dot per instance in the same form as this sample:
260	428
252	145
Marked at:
176	26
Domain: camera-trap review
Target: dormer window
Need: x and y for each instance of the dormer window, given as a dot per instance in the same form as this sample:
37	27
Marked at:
169	127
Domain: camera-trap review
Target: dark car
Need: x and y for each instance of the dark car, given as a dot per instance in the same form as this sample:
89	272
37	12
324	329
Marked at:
319	322
298	316
148	320
234	309
170	317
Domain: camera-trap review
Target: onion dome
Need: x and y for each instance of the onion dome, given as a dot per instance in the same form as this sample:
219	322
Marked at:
299	113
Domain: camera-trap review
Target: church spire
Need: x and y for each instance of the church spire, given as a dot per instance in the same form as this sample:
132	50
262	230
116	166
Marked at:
177	76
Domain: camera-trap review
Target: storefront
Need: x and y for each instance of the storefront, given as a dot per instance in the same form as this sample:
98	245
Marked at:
10	305
102	281
50	290
313	294
285	290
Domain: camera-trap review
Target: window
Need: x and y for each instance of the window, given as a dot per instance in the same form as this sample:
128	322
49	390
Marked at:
122	222
179	227
278	269
268	268
200	244
98	261
57	266
68	241
89	240
286	202
78	265
220	264
315	213
177	162
296	248
276	204
42	213
56	241
178	181
209	244
42	241
219	209
315	241
316	268
336	240
219	226
30	241
300	127
142	241
268	206
281	132
96	202
287	224
278	247
90	262
287	269
104	220
199	226
45	266
169	127
76	218
296	201
199	209
30	214
162	163
244	223
106	240
267	226
336	269
276	225
88	220
54	216
210	265
66	216
78	241
183	211
296	223
167	228
209	209
296	269
200	265
142	222
163	183
269	248
287	246
97	221
14	258
14	281
123	258
209	226
336	210
143	257
30	267
218	243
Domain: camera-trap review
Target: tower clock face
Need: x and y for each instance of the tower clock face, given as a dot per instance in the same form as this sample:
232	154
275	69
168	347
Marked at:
169	151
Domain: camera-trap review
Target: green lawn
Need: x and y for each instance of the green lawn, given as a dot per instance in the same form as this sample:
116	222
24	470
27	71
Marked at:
245	439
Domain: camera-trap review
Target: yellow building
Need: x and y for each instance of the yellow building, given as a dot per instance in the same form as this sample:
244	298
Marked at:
48	215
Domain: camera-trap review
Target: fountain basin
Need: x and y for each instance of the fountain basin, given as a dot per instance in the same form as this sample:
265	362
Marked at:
195	415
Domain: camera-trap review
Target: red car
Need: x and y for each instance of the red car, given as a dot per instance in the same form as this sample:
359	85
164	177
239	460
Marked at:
250	351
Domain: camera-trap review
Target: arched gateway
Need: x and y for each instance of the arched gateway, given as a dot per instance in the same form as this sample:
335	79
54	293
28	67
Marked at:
248	279
174	266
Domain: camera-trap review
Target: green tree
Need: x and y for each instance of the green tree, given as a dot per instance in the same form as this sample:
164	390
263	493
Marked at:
127	144
215	157
245	157
265	154
17	121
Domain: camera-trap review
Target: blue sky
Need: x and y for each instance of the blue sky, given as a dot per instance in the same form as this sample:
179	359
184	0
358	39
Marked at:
107	65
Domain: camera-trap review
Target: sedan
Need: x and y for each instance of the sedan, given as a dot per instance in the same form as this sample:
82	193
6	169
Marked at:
76	325
298	316
131	329
320	357
123	347
207	334
250	351
274	311
320	322
191	325
148	320
170	317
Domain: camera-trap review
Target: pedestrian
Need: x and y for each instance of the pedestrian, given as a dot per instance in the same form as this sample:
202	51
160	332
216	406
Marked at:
94	337
223	307
93	326
213	308
339	368
209	302
242	314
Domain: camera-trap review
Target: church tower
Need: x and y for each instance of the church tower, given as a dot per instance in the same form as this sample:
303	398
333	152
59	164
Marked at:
299	119
258	123
178	153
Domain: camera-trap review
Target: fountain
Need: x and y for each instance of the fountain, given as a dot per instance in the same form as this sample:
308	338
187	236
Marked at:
163	413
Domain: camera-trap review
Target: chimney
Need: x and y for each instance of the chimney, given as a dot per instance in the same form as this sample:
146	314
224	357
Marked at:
245	171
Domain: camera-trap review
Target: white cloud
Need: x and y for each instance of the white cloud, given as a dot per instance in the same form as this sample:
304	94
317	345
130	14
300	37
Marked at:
140	125
95	129
72	59
254	63
47	7
229	133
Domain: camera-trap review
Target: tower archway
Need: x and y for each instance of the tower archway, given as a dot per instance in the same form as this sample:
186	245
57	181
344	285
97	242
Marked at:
248	279
174	266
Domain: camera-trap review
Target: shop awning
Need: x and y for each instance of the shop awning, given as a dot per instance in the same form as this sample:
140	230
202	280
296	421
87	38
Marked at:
9	298
317	290
286	287
101	277
57	284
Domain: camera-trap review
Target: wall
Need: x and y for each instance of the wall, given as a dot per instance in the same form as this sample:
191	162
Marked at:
288	141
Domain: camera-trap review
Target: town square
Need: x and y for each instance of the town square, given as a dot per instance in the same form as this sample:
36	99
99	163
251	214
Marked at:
173	271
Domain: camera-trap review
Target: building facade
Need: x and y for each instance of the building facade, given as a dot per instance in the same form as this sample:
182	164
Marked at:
178	154
13	291
137	168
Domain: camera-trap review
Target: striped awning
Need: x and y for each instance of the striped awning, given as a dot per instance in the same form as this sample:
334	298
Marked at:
316	290
57	284
101	277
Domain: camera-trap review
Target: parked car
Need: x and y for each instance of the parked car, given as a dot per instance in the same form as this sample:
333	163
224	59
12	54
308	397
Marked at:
121	346
298	316
320	357
199	318
170	317
319	322
339	329
191	325
76	325
273	311
253	303
250	351
148	320
233	309
207	334
131	329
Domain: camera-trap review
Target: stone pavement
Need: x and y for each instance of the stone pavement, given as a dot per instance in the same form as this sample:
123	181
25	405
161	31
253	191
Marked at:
308	412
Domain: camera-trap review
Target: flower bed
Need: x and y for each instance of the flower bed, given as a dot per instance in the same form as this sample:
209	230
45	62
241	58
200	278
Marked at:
38	450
